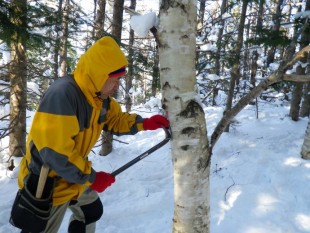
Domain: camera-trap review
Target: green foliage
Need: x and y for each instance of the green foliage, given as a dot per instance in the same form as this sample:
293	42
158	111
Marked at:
271	38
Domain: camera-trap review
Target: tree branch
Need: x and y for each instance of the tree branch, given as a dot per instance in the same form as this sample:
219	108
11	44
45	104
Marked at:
278	76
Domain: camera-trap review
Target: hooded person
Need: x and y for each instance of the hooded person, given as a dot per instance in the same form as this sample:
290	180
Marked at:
69	120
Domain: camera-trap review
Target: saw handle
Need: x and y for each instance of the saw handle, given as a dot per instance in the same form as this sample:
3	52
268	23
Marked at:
42	180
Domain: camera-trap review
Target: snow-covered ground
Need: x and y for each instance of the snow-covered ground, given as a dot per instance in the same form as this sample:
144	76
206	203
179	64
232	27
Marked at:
259	183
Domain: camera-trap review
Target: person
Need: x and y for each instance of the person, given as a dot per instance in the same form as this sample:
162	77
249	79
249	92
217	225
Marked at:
69	120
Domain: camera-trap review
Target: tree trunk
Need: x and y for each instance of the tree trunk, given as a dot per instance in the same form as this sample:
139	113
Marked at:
99	20
18	79
117	24
305	149
305	40
201	14
305	105
296	98
155	74
276	19
297	92
130	74
235	73
219	44
57	41
64	39
259	26
190	143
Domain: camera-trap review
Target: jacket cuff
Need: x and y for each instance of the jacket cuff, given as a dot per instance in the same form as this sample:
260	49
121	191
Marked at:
140	126
92	177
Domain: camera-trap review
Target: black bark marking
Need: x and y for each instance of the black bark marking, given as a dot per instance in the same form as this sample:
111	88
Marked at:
166	86
188	131
192	110
185	147
165	5
165	69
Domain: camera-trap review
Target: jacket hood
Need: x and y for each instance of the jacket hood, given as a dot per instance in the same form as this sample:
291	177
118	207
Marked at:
95	65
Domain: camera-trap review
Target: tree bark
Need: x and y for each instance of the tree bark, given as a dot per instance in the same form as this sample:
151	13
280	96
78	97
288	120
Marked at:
276	19
117	23
18	79
254	58
58	27
235	73
190	143
219	44
155	74
297	92
130	74
305	40
99	20
107	137
64	39
201	14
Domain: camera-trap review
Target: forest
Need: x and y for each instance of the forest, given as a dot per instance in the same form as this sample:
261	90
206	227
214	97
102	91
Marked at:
244	50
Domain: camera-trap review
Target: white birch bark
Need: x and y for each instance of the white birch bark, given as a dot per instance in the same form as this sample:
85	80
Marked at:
177	30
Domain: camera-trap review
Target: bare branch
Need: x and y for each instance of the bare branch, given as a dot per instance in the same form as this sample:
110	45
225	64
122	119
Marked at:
290	58
296	78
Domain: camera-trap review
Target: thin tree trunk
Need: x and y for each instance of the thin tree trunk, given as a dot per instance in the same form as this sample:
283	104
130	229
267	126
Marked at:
305	149
305	106
235	73
18	79
99	20
297	92
64	39
155	75
201	14
276	19
254	59
58	27
190	143
219	44
117	24
130	75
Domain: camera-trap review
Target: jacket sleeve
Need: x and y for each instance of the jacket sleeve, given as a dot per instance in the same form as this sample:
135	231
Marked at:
122	123
53	133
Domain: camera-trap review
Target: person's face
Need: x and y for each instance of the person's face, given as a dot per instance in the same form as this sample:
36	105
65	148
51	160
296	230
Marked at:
109	88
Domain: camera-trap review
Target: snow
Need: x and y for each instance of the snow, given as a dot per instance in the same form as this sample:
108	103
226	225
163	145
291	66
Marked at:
142	24
259	183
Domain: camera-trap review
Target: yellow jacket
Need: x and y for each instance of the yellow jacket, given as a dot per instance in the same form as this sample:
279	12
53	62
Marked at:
70	119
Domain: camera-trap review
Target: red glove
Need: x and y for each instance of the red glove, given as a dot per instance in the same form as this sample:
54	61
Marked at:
155	122
102	181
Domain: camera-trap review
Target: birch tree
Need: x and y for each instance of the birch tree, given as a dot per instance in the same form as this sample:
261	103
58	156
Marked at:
177	30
